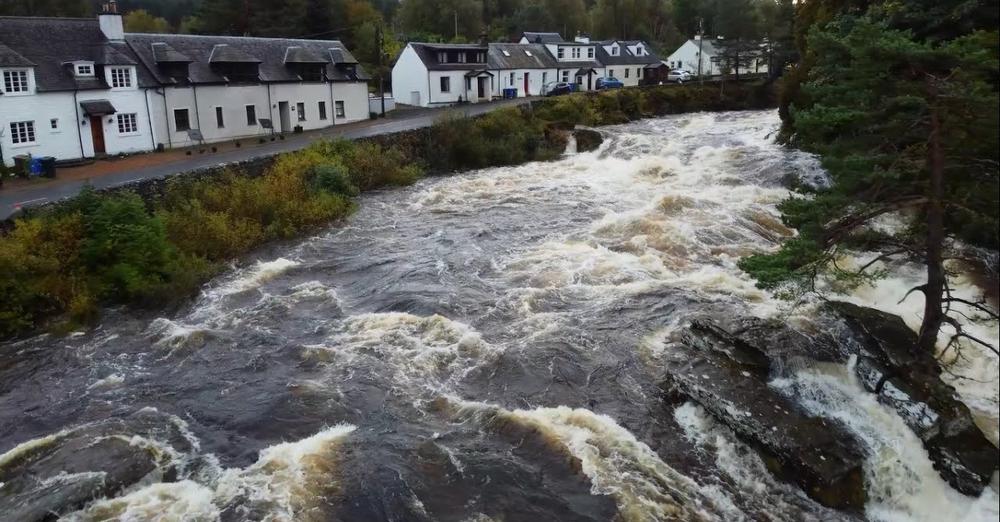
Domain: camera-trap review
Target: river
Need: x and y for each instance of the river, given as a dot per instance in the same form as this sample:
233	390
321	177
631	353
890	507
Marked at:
475	347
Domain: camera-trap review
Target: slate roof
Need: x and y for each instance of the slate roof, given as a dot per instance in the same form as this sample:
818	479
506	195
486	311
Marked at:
10	58
163	53
543	38
50	44
203	51
625	56
427	52
518	59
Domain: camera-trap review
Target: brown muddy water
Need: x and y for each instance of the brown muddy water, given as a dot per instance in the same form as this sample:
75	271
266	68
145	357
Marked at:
478	347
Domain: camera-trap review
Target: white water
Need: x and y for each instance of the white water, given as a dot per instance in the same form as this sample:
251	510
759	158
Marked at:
506	291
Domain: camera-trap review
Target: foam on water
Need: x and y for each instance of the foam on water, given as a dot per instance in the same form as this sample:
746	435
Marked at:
644	487
900	478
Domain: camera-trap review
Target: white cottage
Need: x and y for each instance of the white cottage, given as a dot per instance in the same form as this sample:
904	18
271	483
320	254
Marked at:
71	88
525	68
432	74
231	87
77	88
702	56
626	60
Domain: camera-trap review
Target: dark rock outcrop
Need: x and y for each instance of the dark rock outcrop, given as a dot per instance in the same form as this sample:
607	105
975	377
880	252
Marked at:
890	365
587	140
728	377
52	475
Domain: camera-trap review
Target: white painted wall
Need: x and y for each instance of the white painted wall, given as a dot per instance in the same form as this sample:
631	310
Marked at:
536	82
458	89
686	57
410	79
570	75
631	78
72	138
355	98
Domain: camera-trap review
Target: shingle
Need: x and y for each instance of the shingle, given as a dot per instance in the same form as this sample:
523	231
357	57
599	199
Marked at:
163	53
10	58
225	53
299	54
50	43
517	58
543	38
270	52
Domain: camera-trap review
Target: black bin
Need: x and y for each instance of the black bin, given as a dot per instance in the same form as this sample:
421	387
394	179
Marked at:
48	166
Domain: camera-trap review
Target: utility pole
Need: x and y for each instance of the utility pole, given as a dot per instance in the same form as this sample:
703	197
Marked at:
381	69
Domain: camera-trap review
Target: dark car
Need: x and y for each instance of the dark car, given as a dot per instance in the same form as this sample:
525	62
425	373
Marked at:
609	83
557	88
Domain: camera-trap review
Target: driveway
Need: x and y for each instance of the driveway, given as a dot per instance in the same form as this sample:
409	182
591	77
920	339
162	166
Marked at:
151	166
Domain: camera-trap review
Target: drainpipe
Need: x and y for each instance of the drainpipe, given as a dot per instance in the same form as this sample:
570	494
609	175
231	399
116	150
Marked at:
197	112
149	119
270	113
79	133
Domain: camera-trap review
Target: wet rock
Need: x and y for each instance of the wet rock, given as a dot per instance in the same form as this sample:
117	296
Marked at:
587	140
728	377
890	365
49	476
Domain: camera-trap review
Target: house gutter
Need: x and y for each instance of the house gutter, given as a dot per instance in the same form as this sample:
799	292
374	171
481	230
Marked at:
197	111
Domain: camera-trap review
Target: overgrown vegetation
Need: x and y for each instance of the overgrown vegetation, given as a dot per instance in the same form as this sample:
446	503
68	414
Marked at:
59	266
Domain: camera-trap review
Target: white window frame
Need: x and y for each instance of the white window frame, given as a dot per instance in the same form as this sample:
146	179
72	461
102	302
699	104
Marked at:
83	69
561	53
576	53
565	77
445	84
627	72
300	109
321	108
120	78
19	77
127	123
339	110
22	133
54	126
590	52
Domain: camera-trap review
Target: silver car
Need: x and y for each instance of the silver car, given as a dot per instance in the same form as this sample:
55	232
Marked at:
679	76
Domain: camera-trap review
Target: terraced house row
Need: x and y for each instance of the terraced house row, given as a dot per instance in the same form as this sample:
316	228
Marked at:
82	88
430	74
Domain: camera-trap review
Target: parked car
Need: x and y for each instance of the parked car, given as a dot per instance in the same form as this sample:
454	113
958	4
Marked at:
679	76
557	88
609	83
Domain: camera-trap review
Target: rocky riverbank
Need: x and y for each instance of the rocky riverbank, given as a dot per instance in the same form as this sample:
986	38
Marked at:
726	369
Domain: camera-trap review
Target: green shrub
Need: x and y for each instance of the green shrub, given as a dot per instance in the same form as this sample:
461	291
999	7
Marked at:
333	178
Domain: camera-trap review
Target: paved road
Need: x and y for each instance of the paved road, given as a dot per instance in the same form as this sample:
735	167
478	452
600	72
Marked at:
11	201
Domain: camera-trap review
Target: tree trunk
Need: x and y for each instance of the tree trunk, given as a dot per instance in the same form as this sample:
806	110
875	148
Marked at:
933	255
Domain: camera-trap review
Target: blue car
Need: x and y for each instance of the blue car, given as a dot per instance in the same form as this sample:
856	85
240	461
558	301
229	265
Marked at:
609	83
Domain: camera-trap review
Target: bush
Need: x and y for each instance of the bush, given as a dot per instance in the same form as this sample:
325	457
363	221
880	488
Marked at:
333	178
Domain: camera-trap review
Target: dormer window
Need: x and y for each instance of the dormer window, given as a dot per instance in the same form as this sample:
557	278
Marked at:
561	53
590	52
614	51
576	53
84	69
15	81
121	77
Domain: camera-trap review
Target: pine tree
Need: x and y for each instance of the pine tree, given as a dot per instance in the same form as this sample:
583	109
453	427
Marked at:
905	128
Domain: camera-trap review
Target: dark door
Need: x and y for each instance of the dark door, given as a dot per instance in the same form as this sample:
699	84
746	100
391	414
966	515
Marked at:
526	91
482	88
97	132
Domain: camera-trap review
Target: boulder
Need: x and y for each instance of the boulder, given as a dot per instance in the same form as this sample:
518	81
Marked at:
728	377
890	365
587	140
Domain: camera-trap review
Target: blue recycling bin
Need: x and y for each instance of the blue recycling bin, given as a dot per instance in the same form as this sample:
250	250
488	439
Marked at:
509	93
35	167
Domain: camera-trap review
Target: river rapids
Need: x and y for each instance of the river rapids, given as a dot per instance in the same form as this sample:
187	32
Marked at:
480	347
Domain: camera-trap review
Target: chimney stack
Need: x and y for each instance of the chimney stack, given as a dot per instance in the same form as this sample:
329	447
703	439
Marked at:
111	22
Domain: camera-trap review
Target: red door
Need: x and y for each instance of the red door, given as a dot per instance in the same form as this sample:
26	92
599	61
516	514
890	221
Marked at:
97	133
526	91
